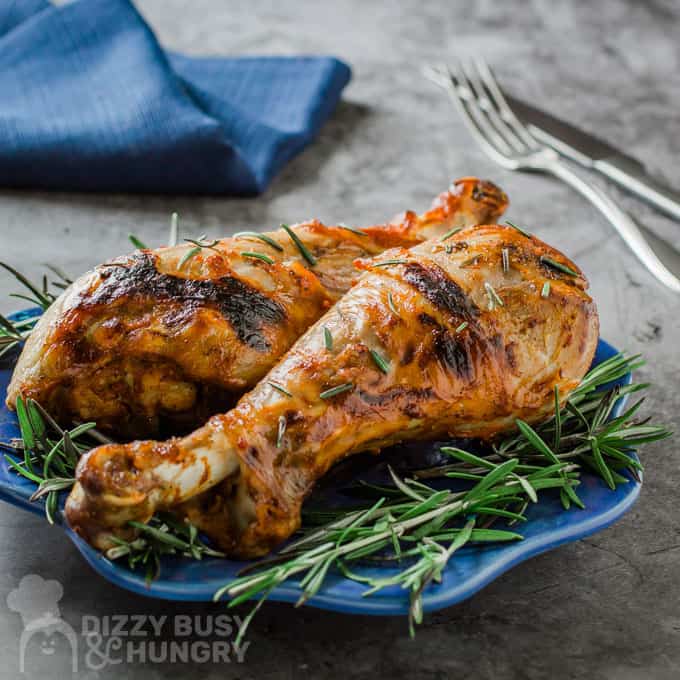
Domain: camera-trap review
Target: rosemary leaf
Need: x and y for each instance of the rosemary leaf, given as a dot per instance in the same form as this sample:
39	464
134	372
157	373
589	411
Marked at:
281	431
137	243
519	229
328	339
279	388
451	232
554	264
262	237
387	263
334	391
380	361
258	256
304	251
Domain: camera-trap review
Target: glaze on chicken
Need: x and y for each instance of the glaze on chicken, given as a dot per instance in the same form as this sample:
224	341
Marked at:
155	341
450	338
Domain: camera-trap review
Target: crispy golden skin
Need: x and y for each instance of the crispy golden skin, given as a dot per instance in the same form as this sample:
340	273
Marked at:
145	343
461	363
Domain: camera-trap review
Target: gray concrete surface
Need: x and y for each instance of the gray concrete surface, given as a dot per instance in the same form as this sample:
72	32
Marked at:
606	608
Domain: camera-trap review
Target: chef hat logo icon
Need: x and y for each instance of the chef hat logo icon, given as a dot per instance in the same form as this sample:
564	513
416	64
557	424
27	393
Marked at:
37	601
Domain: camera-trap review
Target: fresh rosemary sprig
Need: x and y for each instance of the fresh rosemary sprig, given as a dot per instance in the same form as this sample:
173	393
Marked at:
380	361
39	296
334	391
279	388
13	333
391	305
162	535
281	431
387	263
420	528
418	521
554	264
505	257
137	242
199	244
519	229
304	251
258	256
493	297
451	232
262	237
327	339
173	236
354	230
46	454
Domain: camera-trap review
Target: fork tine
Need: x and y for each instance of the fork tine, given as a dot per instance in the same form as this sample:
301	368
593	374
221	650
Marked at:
470	122
495	119
498	100
469	105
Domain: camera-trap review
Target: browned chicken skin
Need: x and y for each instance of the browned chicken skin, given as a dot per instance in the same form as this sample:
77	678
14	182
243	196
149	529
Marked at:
467	346
148	340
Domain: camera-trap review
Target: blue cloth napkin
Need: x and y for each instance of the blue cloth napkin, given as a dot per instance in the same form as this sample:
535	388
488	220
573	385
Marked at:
89	101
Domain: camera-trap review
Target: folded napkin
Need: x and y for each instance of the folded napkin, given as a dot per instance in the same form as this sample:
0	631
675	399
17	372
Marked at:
89	101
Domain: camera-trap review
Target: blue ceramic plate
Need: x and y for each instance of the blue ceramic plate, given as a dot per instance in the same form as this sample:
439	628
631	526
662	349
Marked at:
547	527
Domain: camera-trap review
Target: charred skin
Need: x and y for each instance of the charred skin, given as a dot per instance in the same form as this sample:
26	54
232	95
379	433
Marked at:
460	365
147	343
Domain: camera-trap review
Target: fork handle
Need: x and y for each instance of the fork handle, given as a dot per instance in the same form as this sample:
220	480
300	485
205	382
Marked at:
621	221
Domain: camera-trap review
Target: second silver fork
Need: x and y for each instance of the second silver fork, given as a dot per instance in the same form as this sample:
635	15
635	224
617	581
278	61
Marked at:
507	141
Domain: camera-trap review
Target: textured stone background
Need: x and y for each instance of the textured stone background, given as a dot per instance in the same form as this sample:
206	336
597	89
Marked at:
607	607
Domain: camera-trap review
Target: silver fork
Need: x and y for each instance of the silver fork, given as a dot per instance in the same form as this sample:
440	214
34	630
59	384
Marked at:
507	141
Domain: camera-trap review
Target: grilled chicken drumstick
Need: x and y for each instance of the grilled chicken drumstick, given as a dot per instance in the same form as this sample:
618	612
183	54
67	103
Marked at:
456	336
169	336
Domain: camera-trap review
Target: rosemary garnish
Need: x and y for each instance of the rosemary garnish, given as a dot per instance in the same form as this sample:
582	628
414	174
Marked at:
137	243
545	291
39	296
258	256
519	229
334	391
263	237
494	299
544	259
354	230
505	256
65	282
470	261
387	263
281	431
199	244
380	361
417	526
279	388
173	236
462	327
48	454
451	232
390	303
327	338
422	527
162	535
300	245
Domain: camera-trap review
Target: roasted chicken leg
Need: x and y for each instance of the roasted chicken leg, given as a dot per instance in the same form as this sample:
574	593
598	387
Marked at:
457	336
170	336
